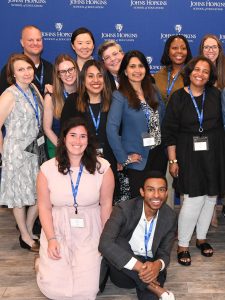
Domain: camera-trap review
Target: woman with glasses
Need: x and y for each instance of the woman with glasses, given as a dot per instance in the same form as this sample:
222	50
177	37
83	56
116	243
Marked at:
83	43
65	74
212	48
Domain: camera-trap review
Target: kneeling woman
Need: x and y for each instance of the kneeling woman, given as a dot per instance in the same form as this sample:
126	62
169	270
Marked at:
75	199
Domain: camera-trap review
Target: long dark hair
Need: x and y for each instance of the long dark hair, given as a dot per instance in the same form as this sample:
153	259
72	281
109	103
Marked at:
127	89
83	98
89	158
191	65
165	59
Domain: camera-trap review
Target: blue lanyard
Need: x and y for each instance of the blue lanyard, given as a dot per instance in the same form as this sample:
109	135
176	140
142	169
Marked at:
36	111
146	109
95	122
41	79
147	235
200	114
75	188
65	94
170	86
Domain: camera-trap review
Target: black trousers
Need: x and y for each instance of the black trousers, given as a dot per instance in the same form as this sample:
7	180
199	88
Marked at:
129	279
157	161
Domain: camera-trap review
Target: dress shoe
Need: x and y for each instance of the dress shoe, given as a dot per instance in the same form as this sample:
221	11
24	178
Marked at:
34	248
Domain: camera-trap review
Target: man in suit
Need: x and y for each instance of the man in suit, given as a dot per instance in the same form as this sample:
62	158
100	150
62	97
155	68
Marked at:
137	240
32	44
111	53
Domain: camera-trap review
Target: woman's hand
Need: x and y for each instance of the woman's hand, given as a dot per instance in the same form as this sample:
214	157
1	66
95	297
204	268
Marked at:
135	158
54	249
48	88
174	170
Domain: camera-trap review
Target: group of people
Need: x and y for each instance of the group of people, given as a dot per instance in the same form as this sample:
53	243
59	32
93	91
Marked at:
84	134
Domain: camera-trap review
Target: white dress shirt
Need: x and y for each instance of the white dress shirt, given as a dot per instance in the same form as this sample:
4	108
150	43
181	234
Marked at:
137	241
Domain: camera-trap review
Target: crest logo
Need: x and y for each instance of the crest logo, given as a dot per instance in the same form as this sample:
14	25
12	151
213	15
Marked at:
178	28
58	26
149	59
119	27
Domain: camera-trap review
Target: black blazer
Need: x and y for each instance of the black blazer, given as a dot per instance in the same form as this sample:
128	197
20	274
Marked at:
114	242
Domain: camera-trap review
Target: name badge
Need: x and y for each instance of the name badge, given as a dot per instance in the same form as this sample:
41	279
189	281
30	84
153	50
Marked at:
40	141
148	140
99	151
77	222
200	143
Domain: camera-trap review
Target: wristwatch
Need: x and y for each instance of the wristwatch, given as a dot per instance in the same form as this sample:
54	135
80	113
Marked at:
172	161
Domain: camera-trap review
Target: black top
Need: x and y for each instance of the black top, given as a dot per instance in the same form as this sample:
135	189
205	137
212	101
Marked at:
48	68
200	172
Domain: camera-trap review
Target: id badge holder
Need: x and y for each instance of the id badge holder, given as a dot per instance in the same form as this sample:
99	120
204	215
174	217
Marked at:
99	152
148	140
77	221
200	143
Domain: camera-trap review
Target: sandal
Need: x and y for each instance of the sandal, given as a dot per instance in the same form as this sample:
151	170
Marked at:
204	247
184	254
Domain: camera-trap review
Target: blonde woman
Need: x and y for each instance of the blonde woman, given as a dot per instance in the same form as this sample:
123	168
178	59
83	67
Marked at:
65	76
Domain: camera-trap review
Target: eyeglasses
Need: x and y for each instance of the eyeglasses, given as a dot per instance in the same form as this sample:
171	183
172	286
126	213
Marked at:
107	59
64	72
213	48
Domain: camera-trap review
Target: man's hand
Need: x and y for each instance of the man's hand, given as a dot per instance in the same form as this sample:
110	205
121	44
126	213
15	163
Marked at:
150	271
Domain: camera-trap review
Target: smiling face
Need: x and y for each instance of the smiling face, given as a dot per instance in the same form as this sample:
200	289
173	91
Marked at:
112	58
31	41
155	194
83	46
94	81
178	52
200	74
211	49
76	141
23	73
67	73
135	71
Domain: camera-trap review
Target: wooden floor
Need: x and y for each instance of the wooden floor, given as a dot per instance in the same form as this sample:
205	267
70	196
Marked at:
204	280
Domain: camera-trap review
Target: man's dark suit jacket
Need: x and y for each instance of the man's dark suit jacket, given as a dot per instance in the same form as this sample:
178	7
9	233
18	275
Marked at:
114	242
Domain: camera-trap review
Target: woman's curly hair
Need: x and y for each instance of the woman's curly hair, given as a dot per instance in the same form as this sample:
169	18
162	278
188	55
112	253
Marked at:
89	158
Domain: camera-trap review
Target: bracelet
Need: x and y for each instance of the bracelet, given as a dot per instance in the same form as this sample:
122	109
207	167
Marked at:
52	238
127	162
173	161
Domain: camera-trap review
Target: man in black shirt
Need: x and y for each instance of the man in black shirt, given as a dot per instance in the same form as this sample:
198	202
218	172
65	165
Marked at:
32	43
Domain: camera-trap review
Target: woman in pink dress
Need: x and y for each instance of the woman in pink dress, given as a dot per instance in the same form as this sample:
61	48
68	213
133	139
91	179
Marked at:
75	192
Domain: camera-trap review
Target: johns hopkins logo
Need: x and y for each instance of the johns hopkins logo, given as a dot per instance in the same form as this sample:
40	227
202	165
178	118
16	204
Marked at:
208	5
120	35
148	4
153	68
119	27
58	26
88	4
178	28
149	59
57	34
27	3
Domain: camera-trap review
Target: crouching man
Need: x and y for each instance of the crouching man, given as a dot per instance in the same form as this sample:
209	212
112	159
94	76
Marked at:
137	240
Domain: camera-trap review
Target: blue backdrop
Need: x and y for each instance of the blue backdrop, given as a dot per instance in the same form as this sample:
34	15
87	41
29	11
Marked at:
135	24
